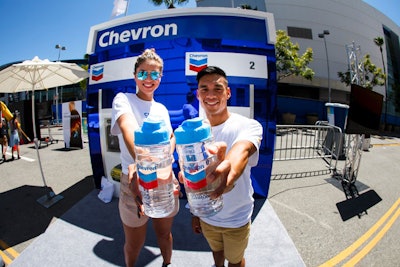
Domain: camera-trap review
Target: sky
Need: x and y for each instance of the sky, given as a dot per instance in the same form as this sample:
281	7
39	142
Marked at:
31	28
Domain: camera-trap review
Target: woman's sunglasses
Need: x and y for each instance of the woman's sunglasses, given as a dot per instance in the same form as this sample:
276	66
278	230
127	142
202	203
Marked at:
142	75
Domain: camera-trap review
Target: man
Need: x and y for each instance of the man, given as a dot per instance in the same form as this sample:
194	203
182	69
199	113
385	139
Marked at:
228	231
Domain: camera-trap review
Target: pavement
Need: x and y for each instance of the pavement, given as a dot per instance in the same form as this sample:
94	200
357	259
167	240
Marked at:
300	224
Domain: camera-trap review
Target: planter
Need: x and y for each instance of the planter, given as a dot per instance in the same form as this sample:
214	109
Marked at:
288	118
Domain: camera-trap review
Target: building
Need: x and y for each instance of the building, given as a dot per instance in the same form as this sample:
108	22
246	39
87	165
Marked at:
348	22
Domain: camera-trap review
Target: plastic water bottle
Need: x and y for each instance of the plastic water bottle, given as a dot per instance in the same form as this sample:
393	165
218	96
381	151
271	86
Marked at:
192	139
154	168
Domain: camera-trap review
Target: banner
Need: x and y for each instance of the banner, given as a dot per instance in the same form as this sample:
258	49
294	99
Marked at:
120	7
72	124
113	70
234	64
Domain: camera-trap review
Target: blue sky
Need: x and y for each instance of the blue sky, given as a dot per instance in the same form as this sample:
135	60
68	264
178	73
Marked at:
32	28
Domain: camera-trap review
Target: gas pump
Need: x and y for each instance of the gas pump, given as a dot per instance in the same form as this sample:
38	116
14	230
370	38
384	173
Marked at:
241	42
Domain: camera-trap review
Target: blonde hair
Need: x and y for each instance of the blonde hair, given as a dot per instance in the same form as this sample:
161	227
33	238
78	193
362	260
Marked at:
149	54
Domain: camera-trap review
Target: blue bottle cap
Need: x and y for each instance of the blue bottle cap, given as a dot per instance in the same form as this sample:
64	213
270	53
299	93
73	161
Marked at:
192	131
152	132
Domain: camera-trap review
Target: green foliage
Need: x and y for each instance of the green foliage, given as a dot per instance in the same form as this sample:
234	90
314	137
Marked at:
288	61
83	83
379	42
169	3
372	76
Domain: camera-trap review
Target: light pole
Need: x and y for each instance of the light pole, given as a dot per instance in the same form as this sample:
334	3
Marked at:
59	47
322	35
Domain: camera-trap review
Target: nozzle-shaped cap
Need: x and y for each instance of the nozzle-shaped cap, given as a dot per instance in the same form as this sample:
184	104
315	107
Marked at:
192	131
152	132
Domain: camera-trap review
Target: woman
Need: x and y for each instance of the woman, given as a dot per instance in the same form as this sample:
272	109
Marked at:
129	111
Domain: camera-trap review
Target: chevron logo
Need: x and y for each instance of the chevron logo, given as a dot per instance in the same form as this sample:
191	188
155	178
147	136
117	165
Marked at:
198	62
97	72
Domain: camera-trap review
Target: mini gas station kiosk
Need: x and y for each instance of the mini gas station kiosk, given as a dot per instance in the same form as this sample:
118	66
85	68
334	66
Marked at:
239	41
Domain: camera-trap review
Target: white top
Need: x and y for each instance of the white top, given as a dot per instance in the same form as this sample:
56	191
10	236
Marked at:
238	203
141	109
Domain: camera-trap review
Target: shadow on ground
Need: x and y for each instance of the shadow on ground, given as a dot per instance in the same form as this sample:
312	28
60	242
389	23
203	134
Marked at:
23	218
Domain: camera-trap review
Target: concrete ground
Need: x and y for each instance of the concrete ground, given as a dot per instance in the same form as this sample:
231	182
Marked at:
300	223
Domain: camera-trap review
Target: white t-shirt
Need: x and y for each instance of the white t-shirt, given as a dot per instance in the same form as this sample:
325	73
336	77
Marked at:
141	109
239	202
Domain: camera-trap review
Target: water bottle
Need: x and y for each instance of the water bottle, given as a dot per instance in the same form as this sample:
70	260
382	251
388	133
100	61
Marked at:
192	139
154	168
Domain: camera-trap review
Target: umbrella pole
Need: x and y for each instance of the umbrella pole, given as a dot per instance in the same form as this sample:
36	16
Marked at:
35	139
50	198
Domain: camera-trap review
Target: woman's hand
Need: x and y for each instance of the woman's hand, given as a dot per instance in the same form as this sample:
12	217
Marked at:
133	183
177	186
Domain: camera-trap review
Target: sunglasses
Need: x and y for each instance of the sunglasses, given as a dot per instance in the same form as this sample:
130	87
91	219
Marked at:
142	75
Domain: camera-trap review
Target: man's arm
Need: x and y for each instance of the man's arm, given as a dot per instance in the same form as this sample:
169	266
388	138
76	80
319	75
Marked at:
239	156
230	169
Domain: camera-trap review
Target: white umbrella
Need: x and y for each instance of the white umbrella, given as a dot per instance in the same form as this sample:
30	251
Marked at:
37	74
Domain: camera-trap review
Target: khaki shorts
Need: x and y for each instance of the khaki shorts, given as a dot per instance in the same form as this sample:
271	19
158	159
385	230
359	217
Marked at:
233	241
128	208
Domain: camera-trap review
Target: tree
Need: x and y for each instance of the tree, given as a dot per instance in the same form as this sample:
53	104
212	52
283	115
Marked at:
83	83
288	61
169	3
372	75
379	42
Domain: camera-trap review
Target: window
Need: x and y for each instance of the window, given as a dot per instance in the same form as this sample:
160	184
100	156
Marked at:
299	32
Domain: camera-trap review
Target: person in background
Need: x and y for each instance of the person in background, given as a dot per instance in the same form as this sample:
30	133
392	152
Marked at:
14	135
4	138
189	111
128	112
227	232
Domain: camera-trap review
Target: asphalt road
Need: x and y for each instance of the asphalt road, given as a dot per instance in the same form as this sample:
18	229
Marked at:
307	206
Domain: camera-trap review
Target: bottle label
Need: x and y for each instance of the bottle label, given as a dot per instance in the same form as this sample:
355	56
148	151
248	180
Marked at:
195	185
147	175
195	175
195	169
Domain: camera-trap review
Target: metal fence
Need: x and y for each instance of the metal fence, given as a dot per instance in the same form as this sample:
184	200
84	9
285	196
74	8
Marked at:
321	142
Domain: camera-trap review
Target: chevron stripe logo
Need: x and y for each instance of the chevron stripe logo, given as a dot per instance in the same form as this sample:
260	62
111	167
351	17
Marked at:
97	72
197	64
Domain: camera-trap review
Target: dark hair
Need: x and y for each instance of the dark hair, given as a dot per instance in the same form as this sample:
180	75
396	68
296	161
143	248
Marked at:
210	70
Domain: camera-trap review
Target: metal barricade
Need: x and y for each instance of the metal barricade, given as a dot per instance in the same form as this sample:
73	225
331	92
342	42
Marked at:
306	142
